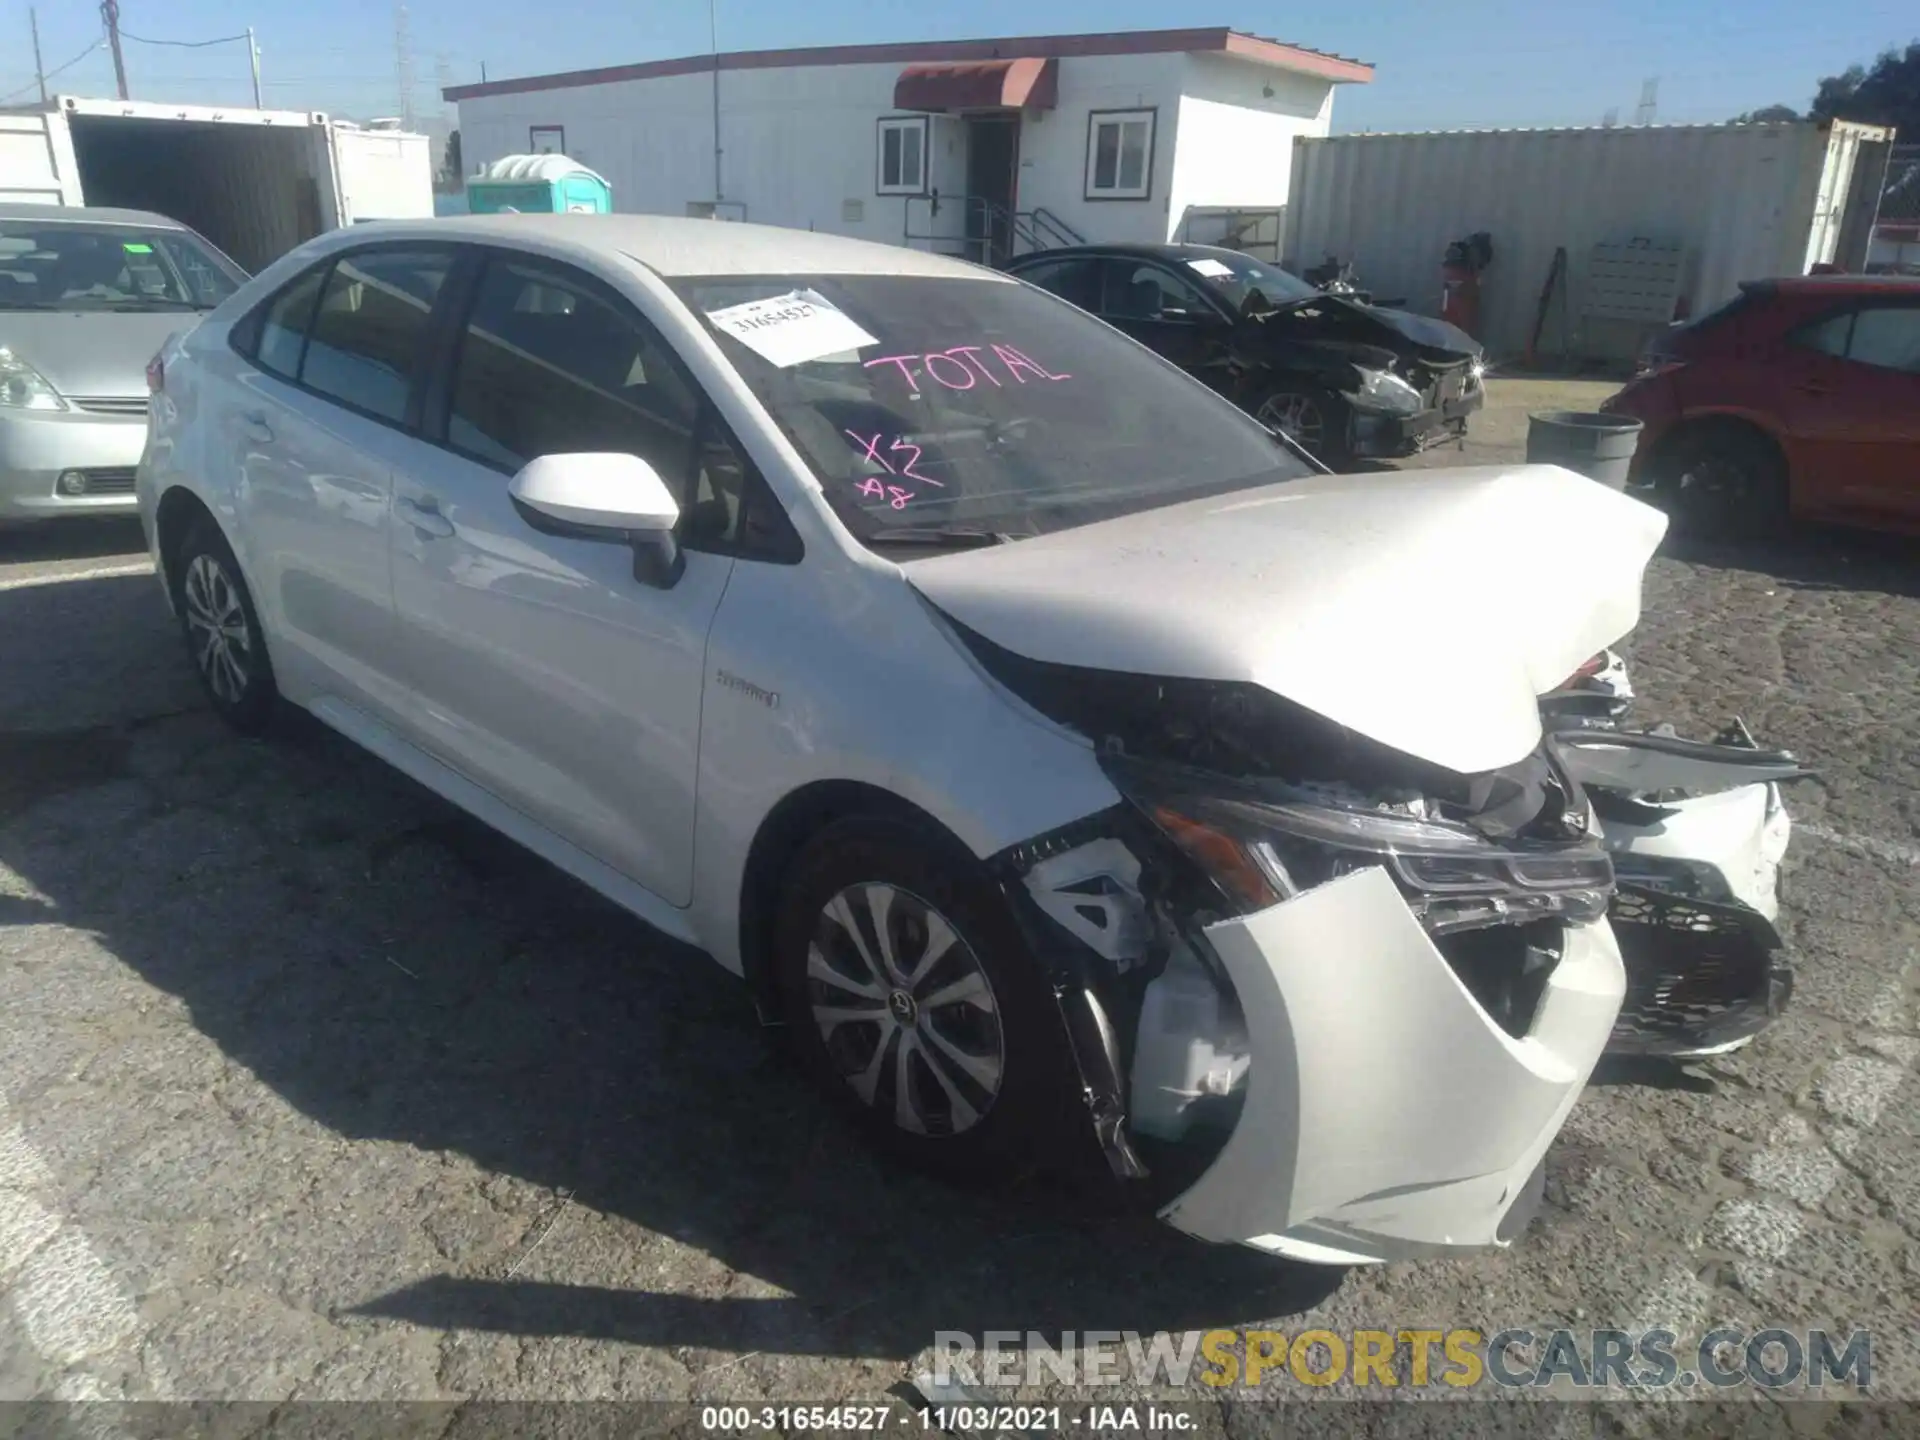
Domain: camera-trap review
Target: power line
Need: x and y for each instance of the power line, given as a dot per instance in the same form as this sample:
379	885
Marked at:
97	44
188	44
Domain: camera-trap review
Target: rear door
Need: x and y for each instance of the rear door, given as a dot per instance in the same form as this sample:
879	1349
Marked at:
542	669
1851	403
318	416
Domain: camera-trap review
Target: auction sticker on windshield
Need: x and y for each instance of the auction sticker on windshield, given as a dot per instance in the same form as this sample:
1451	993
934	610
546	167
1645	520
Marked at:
1210	267
791	329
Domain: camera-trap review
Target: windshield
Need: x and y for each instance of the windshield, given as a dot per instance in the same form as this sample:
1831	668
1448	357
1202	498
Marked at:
1233	276
931	405
61	265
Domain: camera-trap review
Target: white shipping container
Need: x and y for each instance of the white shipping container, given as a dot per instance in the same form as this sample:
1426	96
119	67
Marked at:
254	182
1743	202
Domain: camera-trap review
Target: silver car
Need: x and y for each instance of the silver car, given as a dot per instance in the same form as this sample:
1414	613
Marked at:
87	297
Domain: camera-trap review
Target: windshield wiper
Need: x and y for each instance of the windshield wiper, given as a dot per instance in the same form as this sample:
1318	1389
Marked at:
948	537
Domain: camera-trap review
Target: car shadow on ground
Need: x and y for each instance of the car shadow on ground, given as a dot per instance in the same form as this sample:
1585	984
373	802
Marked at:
398	972
78	539
1815	559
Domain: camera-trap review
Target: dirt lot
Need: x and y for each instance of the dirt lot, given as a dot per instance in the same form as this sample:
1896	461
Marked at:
310	1088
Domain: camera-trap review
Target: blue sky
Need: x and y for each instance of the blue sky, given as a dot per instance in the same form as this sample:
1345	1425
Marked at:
1440	63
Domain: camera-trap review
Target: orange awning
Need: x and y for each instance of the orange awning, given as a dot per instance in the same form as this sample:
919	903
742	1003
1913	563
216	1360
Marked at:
1027	82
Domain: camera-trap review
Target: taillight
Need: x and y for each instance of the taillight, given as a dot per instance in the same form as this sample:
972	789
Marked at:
156	375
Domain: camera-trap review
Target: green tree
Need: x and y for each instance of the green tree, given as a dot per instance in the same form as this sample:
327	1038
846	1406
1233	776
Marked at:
453	175
1767	115
1885	93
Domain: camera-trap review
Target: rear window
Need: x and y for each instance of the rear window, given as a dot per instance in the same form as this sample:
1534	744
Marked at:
64	265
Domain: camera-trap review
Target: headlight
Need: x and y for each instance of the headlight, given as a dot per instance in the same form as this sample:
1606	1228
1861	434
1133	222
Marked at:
24	388
1262	850
1381	391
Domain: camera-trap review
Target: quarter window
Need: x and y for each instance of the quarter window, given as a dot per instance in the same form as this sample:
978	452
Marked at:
369	328
283	325
903	156
1120	154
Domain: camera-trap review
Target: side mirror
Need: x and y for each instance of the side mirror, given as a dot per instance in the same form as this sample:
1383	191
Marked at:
604	496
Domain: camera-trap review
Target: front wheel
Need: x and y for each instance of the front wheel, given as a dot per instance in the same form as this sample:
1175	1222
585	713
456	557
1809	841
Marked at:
914	1002
1312	419
222	629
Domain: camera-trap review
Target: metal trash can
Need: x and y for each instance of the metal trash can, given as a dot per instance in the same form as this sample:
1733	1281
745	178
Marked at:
1598	446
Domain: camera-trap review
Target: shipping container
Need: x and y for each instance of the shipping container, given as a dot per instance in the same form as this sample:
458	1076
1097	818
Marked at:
254	182
1742	202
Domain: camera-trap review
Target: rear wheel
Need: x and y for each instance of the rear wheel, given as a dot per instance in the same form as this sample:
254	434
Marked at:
222	631
914	1002
1721	482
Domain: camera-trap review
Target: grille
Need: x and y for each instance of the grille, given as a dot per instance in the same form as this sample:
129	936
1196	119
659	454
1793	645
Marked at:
1453	384
108	480
112	404
1699	973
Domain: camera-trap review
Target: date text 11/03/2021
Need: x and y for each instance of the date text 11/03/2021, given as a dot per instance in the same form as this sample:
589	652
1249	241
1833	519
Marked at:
951	1419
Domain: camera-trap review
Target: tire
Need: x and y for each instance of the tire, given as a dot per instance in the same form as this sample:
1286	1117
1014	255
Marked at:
222	631
1315	419
987	1072
1721	482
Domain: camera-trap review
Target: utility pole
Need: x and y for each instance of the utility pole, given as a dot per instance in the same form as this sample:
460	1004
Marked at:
1649	102
253	57
39	69
110	17
403	65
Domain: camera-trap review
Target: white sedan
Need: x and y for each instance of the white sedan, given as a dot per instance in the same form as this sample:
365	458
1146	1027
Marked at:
1069	765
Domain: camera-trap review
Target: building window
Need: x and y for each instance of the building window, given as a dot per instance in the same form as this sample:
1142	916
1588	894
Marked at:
1120	154
903	156
546	139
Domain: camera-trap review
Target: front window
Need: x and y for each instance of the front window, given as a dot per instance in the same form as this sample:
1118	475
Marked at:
960	408
903	156
1234	277
60	265
1120	154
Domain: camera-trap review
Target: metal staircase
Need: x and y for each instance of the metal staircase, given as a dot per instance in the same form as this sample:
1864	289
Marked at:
990	233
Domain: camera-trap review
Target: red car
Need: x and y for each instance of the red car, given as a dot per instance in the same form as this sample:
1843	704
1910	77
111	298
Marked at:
1798	399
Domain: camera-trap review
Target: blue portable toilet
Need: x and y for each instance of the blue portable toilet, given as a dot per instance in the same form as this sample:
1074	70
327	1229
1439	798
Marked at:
538	185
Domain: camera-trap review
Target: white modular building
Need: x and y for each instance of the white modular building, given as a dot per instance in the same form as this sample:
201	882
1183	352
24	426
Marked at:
977	147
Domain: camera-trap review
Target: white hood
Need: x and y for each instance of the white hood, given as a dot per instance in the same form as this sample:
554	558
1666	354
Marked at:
1427	610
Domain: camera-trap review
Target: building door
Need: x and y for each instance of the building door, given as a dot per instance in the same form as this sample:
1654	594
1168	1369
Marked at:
993	158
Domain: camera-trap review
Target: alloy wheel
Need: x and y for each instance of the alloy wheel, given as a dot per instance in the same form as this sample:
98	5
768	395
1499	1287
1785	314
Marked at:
1294	415
217	629
905	1010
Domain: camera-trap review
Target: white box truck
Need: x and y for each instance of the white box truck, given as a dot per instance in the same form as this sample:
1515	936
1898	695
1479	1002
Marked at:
254	182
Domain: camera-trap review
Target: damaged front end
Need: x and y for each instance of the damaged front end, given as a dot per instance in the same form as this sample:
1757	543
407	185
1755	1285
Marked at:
1329	1000
1697	832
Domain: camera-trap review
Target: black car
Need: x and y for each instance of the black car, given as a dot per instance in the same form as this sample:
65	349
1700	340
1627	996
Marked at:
1345	379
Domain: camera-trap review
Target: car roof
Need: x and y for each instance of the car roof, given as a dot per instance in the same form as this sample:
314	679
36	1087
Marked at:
674	245
1141	249
86	215
1842	285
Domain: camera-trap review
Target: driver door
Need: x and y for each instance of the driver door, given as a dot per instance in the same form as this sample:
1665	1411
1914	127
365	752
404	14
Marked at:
1168	313
542	669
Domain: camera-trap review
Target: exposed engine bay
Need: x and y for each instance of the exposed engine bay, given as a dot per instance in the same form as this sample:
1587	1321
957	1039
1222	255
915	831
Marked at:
1240	800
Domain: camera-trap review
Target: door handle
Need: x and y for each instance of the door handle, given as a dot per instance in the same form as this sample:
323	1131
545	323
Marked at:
254	423
424	515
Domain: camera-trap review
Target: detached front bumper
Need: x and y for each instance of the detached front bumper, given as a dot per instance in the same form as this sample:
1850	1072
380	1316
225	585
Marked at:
1387	1115
37	448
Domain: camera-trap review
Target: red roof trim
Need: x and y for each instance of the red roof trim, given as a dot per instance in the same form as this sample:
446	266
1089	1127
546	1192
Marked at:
1214	39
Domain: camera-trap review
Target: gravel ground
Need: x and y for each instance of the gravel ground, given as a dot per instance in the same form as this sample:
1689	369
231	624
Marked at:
311	1088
